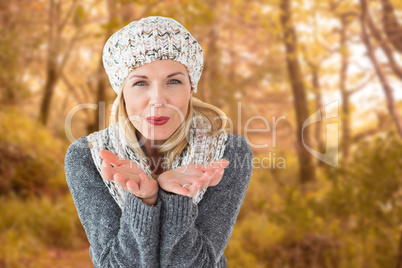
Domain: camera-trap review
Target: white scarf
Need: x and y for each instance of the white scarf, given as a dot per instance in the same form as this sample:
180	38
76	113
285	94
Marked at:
201	149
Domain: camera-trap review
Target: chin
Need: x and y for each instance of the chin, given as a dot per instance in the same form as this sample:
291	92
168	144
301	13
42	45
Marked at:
159	135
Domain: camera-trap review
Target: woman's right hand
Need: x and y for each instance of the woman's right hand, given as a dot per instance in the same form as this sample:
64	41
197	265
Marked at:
128	175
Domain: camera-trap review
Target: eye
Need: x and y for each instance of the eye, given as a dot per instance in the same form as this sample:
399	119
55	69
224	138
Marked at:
140	83
175	81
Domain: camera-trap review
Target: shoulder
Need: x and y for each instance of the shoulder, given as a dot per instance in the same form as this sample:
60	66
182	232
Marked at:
78	163
237	146
78	151
240	156
237	143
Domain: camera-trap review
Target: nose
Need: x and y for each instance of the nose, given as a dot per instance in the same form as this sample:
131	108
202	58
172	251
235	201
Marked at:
157	95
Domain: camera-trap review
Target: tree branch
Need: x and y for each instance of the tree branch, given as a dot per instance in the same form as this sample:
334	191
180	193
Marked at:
380	73
73	90
362	85
68	51
387	50
69	13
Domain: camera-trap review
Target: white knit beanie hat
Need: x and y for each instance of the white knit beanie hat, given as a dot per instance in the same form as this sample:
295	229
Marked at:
150	39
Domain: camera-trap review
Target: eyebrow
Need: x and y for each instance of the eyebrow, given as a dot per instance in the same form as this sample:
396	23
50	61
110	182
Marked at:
145	77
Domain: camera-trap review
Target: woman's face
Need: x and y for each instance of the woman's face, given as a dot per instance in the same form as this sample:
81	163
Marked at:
158	89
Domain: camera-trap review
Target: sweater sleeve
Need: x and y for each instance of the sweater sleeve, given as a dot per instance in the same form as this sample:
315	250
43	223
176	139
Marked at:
197	235
127	237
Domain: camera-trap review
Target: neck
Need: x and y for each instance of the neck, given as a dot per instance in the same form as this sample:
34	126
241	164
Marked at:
148	145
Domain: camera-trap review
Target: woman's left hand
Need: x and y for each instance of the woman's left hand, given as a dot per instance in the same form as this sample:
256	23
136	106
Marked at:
188	179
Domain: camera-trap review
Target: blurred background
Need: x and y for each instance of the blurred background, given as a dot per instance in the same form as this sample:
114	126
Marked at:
313	85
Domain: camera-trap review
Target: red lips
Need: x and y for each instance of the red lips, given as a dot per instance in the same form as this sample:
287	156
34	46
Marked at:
157	120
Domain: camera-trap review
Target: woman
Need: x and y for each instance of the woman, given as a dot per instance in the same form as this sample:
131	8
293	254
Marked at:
163	184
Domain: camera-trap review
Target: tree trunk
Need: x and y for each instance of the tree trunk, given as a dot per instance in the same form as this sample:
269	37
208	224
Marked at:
210	65
49	90
210	72
391	26
399	253
380	73
51	67
306	169
97	123
344	93
384	45
54	69
318	106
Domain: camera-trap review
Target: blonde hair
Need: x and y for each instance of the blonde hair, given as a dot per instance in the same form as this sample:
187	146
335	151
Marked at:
176	143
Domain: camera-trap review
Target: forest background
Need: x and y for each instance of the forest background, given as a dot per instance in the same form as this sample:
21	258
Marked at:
313	85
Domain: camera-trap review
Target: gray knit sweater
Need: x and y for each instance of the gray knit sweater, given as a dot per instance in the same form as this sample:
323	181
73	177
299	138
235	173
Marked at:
173	233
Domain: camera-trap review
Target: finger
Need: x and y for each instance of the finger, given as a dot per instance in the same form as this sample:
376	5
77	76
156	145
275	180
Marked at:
127	179
216	177
145	183
193	188
107	171
133	186
190	169
129	173
206	179
113	158
142	187
221	163
121	180
176	188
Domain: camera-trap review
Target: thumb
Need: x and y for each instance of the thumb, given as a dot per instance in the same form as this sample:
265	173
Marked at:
145	181
112	158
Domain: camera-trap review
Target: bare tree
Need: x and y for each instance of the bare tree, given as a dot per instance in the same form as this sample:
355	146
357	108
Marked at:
391	25
54	68
343	87
306	169
101	78
315	69
399	253
387	49
379	69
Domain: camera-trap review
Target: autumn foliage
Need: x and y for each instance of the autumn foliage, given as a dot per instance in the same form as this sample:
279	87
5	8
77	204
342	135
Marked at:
270	66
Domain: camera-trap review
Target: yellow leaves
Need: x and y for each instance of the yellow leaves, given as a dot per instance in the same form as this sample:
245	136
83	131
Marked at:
27	132
79	16
36	6
28	227
32	158
252	240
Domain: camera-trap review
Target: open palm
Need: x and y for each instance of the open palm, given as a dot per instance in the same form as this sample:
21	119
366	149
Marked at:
128	175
